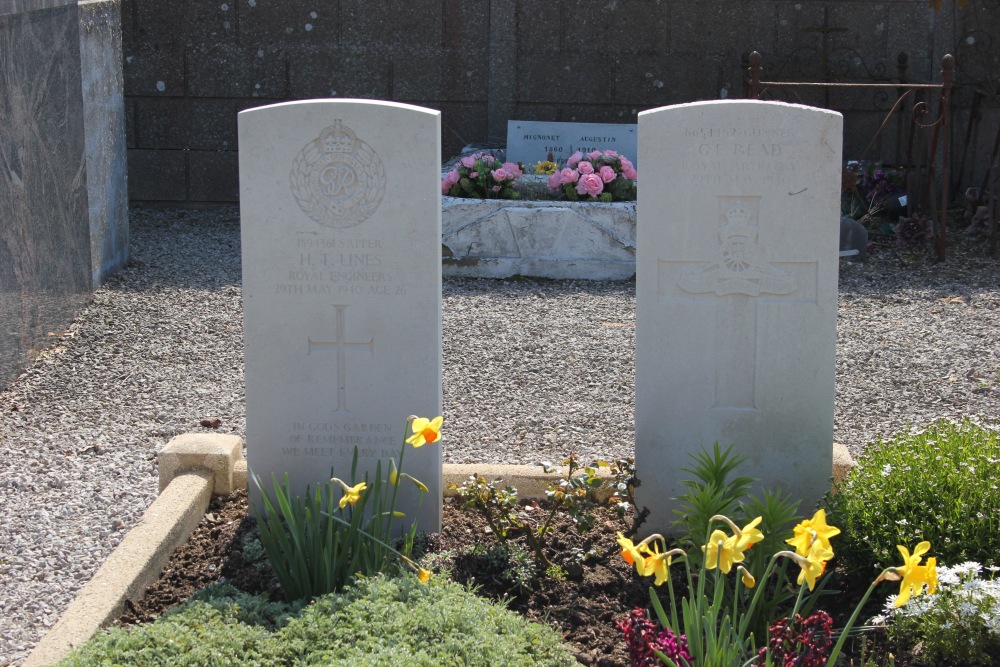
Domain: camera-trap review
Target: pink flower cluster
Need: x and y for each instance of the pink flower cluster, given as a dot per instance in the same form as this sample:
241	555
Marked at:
481	175
591	174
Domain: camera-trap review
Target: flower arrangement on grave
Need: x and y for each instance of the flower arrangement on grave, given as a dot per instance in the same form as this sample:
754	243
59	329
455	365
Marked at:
596	176
482	175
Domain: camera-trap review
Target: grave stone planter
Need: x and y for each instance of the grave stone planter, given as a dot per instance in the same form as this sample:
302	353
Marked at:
547	239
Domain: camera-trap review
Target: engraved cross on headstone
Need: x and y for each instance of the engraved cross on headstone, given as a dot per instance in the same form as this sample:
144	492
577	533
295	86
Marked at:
341	345
740	277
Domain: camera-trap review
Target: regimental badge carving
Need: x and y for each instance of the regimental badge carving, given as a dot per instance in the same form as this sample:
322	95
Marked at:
337	179
740	266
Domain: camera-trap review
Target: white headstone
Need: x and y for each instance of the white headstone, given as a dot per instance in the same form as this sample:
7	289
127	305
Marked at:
340	204
736	294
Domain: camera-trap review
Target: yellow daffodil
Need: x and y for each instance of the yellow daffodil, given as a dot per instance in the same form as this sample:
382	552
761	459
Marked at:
657	564
393	473
813	564
750	536
423	576
352	494
813	530
747	578
631	554
914	575
424	431
722	551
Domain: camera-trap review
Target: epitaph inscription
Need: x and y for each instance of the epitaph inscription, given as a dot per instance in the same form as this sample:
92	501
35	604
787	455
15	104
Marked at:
337	179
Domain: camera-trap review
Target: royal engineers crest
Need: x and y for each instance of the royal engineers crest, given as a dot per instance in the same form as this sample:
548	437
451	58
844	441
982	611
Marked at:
337	179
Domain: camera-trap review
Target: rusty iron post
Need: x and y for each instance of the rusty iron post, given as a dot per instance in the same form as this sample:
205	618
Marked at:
753	86
947	80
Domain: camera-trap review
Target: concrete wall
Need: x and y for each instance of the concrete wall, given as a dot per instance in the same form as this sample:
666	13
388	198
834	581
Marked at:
191	65
59	195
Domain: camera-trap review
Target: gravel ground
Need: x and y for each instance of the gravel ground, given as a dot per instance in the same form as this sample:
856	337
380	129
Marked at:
533	370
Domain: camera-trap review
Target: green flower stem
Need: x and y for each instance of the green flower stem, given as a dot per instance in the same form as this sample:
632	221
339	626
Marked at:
831	661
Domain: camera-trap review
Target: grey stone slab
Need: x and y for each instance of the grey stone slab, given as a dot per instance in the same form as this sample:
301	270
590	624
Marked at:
736	294
104	136
45	251
341	241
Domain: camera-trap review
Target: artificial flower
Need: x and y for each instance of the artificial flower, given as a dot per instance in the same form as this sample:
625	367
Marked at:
424	431
812	530
546	167
914	575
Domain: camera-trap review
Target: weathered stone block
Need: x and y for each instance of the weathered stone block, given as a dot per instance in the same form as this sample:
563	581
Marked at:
200	124
232	71
156	175
347	72
574	77
154	70
216	452
213	176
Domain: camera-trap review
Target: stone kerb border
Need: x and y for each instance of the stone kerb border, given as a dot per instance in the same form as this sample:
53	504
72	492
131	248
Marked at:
193	467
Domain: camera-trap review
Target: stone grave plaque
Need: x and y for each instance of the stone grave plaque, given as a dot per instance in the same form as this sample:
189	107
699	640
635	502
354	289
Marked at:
736	294
340	204
531	141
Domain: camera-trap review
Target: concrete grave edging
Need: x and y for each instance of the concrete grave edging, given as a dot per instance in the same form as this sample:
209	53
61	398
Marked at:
193	467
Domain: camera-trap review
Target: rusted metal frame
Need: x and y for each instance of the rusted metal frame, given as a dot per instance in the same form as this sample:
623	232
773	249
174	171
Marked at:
755	87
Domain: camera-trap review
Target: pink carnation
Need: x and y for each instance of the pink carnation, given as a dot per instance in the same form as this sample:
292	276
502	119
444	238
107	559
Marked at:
568	175
585	168
512	169
590	184
607	174
593	155
574	159
469	161
555	180
499	174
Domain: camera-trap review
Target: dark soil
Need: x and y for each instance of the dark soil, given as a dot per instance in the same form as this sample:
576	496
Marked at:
584	607
597	591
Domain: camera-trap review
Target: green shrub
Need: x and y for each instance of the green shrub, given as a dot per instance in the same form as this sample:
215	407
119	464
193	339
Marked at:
939	485
378	621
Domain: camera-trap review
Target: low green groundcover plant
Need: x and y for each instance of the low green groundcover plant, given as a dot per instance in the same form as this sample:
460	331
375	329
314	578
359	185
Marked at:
377	621
940	484
959	625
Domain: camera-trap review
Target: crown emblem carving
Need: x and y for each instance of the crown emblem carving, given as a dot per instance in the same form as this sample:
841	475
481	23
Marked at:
338	138
737	224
